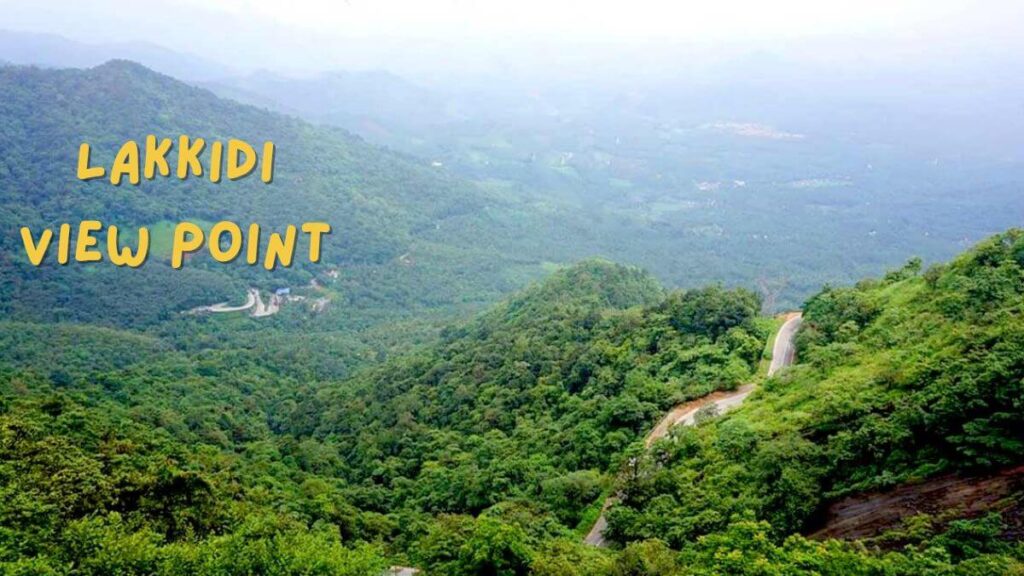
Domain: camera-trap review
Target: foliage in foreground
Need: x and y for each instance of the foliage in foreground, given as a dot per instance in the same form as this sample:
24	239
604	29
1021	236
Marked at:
478	454
488	451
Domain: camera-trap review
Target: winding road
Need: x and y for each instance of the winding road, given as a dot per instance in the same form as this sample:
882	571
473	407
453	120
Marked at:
783	354
253	302
250	300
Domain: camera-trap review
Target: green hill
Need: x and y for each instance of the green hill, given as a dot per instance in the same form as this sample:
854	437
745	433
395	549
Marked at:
900	380
491	449
412	246
460	244
560	377
189	462
138	440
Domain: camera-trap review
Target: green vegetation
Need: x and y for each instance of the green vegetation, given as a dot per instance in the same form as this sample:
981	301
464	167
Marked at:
382	206
160	237
489	451
403	425
484	448
703	180
900	379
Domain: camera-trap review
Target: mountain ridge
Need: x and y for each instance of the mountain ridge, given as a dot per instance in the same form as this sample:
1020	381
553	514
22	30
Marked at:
381	204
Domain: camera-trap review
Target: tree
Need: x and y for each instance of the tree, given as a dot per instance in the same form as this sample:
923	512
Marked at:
495	549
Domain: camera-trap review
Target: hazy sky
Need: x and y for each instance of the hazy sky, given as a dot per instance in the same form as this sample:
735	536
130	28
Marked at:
606	19
316	34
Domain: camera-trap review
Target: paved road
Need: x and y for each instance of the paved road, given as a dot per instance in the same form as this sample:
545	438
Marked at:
253	302
783	354
250	301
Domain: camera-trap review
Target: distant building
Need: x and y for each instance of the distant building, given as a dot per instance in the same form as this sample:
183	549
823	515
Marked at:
283	292
401	571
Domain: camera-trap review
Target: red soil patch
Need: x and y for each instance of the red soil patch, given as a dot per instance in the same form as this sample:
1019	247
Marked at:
954	496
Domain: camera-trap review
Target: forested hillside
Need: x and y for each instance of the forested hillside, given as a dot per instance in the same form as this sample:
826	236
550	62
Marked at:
900	380
407	237
351	431
484	449
489	451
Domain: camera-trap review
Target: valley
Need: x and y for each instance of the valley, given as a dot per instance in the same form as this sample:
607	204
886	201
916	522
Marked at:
546	341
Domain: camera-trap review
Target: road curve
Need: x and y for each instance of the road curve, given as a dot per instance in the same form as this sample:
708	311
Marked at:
783	354
250	300
253	303
783	351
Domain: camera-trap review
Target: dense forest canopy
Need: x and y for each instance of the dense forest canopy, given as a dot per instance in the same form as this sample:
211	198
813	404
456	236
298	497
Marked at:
407	236
901	379
512	419
491	450
463	386
412	244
